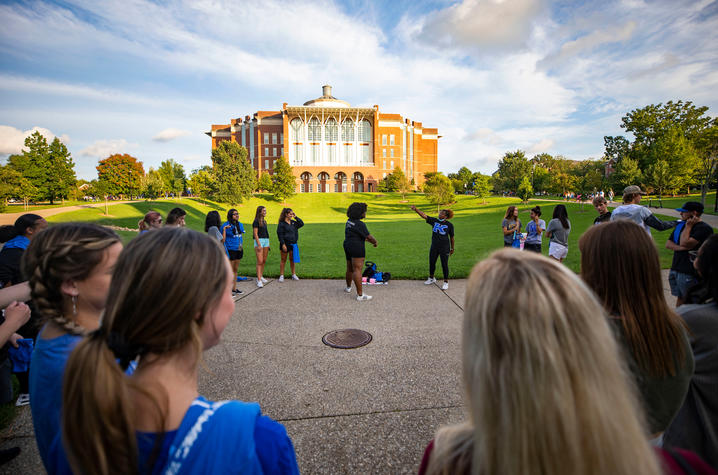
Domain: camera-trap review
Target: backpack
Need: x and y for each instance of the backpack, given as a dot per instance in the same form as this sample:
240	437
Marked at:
369	270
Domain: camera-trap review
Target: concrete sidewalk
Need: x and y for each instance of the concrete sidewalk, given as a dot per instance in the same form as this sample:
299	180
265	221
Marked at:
371	409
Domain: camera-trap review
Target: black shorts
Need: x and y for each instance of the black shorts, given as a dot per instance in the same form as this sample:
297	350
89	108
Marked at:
235	255
354	250
532	247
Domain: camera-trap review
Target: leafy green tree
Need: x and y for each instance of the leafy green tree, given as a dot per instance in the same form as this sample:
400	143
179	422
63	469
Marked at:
627	173
234	177
201	182
402	185
284	182
152	184
120	175
616	148
438	189
659	177
265	182
394	178
675	148
61	170
525	190
589	177
541	179
708	152
513	167
482	186
173	177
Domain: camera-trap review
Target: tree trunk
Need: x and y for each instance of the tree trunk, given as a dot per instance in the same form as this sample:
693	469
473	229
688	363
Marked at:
106	209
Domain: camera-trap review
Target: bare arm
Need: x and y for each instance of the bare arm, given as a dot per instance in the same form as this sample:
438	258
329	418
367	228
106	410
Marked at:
371	239
19	292
419	212
256	236
686	241
16	315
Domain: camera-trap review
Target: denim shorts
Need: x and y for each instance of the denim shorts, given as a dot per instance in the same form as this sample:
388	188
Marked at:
264	242
680	283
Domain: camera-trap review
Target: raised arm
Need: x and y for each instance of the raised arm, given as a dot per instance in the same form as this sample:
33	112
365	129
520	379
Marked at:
419	212
299	221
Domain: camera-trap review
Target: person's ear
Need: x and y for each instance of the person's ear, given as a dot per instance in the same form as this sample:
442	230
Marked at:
69	287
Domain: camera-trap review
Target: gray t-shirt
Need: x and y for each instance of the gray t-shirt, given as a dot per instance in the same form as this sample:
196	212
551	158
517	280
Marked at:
507	223
559	234
214	232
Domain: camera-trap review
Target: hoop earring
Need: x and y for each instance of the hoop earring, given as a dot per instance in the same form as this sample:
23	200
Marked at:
74	306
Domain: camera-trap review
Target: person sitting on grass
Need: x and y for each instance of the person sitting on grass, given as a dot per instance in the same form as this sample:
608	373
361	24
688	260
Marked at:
442	243
155	421
69	267
546	390
355	234
695	427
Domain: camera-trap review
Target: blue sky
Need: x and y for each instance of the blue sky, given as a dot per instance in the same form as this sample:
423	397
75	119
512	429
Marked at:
148	78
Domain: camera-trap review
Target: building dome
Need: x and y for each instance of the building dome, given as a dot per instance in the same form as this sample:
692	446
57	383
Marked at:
327	100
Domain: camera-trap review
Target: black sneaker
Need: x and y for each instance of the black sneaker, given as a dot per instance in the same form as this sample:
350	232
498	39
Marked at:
8	454
236	292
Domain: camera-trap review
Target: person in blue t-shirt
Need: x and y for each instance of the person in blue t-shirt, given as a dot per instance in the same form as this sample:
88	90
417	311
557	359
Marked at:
155	421
442	243
69	267
534	230
232	231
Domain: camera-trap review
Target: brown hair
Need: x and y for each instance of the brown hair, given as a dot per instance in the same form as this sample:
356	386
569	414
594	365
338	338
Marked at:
628	197
510	212
599	200
614	256
144	223
545	388
143	316
448	213
68	251
258	216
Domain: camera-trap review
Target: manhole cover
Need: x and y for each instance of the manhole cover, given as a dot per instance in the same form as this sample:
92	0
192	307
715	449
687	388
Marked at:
345	339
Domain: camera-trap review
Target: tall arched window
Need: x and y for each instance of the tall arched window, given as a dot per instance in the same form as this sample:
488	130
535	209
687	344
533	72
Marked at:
364	131
331	130
348	130
297	132
315	130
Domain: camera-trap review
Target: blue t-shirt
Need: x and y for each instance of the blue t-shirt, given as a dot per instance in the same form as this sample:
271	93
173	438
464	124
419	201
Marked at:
532	234
234	438
233	236
46	371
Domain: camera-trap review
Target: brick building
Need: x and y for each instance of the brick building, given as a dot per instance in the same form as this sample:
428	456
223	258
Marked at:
332	146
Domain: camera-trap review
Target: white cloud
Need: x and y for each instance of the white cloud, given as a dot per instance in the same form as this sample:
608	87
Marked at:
102	149
12	140
170	134
540	147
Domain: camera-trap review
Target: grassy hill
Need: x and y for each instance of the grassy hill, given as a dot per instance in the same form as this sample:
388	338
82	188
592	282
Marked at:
403	237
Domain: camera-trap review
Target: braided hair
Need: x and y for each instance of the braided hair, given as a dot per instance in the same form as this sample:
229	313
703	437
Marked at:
63	252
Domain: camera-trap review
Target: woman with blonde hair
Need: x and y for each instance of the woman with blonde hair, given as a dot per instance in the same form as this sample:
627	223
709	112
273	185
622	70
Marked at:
546	391
155	421
69	267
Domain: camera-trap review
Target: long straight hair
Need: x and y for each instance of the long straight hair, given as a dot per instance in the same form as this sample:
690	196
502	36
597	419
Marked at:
560	213
629	286
143	316
546	391
510	212
258	216
283	214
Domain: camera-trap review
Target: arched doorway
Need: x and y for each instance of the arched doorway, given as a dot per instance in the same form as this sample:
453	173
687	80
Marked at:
306	186
323	179
340	186
358	183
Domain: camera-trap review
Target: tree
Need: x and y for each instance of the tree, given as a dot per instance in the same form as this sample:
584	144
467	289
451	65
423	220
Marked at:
100	189
438	189
513	167
525	190
482	186
233	173
588	177
173	177
462	179
708	152
120	175
152	184
403	185
616	148
61	170
202	182
394	178
627	173
265	182
659	177
679	152
284	183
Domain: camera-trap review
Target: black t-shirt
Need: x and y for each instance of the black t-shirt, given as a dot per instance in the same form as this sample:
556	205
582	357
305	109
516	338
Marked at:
440	232
262	232
681	259
604	218
355	231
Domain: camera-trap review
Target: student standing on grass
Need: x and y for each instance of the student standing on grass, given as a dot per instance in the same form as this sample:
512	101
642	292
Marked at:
212	223
632	211
695	427
288	234
601	205
232	231
688	236
511	225
261	242
176	218
69	267
545	387
619	262
557	231
355	234
534	230
442	243
155	421
152	220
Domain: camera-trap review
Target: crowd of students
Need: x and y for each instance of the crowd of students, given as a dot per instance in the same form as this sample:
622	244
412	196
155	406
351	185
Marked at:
589	374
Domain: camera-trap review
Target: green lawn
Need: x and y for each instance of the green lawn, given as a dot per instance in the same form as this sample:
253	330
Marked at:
669	202
403	237
19	208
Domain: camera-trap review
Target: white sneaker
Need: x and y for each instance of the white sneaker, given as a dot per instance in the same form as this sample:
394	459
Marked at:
281	278
430	281
24	398
348	290
260	284
445	286
294	277
363	297
264	281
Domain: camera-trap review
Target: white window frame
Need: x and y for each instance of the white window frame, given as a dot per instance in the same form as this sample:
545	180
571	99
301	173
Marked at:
266	137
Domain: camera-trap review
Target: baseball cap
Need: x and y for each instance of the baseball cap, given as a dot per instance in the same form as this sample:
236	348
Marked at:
633	189
691	206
